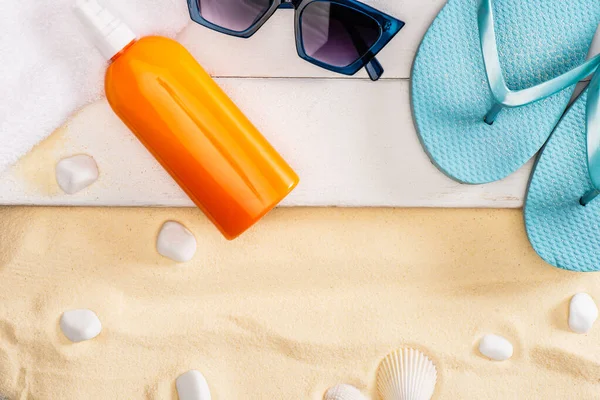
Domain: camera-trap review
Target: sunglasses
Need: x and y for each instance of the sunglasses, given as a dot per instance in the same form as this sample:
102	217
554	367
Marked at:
342	36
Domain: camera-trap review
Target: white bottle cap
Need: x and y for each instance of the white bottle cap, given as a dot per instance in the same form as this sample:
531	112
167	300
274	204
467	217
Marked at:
106	31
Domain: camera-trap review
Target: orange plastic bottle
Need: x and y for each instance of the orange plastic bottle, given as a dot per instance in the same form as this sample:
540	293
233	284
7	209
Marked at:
189	124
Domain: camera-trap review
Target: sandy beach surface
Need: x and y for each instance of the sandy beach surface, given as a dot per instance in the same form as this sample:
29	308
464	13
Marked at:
307	299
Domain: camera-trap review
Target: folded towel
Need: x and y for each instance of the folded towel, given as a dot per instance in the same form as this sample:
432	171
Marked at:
48	69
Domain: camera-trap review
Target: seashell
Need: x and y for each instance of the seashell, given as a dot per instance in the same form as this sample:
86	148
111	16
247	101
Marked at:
406	374
344	392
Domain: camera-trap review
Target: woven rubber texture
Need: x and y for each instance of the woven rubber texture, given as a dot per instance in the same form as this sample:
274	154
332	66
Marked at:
537	40
563	232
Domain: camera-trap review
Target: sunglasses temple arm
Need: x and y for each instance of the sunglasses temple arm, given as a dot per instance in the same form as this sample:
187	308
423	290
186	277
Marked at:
374	69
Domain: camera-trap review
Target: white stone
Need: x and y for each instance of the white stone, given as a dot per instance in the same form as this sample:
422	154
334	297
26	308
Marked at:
583	312
76	173
192	386
344	392
176	242
80	325
496	347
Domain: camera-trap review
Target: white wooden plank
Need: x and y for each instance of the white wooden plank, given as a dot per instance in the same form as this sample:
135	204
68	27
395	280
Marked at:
352	142
271	52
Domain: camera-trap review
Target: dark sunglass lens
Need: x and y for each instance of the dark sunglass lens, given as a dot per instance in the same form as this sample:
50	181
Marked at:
335	34
235	15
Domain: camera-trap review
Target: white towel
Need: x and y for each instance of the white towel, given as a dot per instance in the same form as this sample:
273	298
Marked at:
48	69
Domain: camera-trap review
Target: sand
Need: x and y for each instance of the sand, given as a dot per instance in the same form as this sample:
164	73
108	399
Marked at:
307	299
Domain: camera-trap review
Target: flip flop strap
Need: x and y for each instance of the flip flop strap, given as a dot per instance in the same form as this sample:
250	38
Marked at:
593	130
503	95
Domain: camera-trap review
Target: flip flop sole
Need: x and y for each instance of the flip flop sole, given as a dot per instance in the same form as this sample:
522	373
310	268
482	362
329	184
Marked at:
562	231
537	41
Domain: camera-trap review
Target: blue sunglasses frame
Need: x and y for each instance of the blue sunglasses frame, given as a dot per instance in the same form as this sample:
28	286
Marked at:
388	25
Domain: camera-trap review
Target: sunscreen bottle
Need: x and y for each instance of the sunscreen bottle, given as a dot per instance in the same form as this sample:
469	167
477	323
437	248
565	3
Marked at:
189	124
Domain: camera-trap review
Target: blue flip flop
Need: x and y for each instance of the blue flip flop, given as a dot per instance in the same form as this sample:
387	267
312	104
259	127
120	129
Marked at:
482	56
562	210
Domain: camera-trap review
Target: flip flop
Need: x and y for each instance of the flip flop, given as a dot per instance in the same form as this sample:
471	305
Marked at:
562	211
472	54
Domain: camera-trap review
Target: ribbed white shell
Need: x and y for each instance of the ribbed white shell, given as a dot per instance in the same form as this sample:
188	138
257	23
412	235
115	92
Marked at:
406	374
344	392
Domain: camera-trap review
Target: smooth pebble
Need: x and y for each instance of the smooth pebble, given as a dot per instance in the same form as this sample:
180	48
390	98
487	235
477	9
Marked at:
343	392
176	242
583	312
496	347
80	325
192	386
76	173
